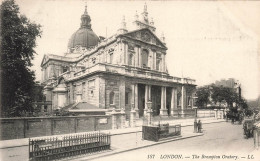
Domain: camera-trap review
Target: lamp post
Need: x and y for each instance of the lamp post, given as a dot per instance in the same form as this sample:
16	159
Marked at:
194	106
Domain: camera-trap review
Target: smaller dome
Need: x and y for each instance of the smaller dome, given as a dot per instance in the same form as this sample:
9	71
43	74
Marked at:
83	37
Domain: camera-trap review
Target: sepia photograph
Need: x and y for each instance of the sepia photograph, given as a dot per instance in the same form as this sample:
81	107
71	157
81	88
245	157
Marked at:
124	80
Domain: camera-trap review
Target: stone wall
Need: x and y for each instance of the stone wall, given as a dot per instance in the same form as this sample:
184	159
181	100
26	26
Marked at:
15	128
205	113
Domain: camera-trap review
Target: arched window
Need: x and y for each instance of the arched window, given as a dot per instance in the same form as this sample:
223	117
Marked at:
145	58
111	98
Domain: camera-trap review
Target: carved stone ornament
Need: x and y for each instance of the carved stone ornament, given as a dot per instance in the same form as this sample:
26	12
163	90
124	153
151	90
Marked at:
93	60
146	36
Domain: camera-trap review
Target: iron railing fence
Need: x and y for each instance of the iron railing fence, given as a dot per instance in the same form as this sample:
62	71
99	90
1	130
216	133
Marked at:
54	148
161	131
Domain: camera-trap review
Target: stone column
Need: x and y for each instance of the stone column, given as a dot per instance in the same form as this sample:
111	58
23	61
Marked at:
132	118
123	118
122	93
163	62
149	93
163	110
146	97
113	113
154	60
150	56
136	100
149	116
122	44
183	100
173	101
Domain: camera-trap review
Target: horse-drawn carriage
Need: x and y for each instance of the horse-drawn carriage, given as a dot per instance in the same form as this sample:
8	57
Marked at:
234	116
248	127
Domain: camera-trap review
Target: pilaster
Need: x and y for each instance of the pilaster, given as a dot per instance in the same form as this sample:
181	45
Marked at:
140	56
136	57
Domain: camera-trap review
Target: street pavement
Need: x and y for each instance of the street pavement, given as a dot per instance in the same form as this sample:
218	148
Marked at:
221	141
123	140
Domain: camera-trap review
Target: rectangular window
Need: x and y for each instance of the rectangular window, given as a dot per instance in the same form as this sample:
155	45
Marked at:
130	60
126	98
158	64
158	61
189	101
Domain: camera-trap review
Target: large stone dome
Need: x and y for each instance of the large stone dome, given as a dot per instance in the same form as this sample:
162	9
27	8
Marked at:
84	36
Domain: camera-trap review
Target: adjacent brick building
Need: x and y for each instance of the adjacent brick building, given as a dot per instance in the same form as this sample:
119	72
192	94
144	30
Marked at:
125	71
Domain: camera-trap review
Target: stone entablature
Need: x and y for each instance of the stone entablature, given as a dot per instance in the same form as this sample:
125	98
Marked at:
127	71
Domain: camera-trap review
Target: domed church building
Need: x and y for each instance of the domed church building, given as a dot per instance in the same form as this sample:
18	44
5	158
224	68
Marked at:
124	71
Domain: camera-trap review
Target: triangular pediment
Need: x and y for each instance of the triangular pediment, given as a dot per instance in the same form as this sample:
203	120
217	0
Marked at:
145	35
44	60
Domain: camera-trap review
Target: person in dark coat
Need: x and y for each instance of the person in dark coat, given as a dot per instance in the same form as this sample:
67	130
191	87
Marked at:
199	126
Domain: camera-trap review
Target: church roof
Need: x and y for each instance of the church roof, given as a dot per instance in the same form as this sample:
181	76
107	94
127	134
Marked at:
130	34
84	36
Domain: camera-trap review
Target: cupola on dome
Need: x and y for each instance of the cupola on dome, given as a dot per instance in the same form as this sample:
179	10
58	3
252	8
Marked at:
84	36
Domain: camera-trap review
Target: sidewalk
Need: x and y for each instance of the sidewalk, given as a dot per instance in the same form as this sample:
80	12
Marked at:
184	122
132	142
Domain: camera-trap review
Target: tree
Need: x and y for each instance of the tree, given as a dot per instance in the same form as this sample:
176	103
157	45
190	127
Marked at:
18	43
226	94
217	94
203	94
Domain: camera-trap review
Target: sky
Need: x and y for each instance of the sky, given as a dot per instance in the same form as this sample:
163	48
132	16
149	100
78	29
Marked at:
206	40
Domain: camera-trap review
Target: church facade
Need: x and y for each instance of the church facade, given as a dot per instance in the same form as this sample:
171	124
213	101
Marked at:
124	71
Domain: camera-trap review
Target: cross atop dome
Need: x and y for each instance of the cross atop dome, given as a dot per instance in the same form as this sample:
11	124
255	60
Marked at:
85	19
86	9
145	7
